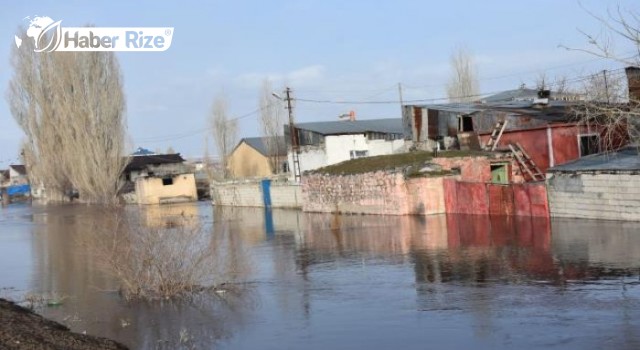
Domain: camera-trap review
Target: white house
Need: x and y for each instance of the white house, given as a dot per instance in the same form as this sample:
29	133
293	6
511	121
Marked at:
326	143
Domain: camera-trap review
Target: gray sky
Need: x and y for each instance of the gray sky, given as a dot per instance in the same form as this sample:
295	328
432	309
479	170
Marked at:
323	49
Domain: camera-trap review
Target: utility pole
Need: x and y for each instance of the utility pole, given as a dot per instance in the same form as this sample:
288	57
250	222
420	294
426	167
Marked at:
400	96
295	147
606	86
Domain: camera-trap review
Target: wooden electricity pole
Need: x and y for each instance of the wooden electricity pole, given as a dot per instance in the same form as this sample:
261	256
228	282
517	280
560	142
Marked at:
295	146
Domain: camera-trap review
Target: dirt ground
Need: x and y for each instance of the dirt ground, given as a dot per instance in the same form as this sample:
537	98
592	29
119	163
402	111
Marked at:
20	328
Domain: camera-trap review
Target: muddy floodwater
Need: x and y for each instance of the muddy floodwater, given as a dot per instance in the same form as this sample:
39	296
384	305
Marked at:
316	281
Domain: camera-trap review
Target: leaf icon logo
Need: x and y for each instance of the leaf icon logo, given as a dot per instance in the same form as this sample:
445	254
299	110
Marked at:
50	37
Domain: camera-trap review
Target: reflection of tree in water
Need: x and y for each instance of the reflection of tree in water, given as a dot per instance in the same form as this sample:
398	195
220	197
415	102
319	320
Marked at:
69	260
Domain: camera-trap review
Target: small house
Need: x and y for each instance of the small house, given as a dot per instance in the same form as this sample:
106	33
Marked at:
258	157
326	143
159	178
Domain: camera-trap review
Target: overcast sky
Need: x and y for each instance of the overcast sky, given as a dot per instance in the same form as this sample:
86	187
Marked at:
323	49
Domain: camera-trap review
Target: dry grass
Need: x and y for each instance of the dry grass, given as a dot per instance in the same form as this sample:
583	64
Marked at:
390	162
177	260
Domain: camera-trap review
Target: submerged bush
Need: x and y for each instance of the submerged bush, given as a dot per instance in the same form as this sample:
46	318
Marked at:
172	260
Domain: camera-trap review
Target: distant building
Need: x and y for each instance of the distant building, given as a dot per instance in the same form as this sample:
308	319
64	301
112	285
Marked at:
142	152
252	158
327	143
159	178
18	175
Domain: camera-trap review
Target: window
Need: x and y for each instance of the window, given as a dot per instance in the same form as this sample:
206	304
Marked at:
167	181
358	154
588	144
466	123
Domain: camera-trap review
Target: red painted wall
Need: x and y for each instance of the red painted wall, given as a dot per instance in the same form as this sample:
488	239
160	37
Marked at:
493	199
535	143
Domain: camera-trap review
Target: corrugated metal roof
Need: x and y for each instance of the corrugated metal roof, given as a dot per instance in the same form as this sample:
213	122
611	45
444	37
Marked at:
387	126
626	159
461	108
554	111
525	94
259	145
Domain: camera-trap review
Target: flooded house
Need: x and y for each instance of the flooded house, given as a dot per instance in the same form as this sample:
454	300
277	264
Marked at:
539	133
258	157
326	143
158	179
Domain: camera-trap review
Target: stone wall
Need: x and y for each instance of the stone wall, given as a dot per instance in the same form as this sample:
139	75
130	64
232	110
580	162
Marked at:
250	194
595	196
373	193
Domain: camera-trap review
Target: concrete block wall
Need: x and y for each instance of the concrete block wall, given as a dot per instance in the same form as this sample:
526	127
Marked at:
372	193
594	196
286	195
249	194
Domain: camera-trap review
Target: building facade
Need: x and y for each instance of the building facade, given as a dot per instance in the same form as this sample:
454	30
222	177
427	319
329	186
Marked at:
326	143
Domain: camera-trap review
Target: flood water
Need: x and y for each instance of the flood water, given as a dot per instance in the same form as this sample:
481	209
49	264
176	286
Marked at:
316	281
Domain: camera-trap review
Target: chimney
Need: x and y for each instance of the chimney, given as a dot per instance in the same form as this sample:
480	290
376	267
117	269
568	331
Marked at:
543	98
633	81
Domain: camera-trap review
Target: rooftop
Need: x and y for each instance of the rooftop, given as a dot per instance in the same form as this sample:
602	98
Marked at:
623	160
259	145
19	168
526	94
552	111
141	162
387	126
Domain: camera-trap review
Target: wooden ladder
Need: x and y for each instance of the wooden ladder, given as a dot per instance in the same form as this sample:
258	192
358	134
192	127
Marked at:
498	129
296	164
526	162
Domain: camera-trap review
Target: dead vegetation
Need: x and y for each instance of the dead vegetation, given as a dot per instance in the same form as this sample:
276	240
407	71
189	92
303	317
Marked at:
391	162
175	260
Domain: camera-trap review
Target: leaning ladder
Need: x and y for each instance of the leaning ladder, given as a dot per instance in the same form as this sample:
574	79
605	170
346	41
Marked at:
498	129
296	164
526	162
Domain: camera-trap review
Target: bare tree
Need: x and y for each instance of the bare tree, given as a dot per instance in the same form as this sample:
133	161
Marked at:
605	87
225	131
70	106
463	83
272	125
616	122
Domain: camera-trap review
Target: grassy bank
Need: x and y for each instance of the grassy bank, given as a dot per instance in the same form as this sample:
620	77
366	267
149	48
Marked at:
391	162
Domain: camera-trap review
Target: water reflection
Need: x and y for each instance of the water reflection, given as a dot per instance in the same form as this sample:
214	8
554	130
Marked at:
344	281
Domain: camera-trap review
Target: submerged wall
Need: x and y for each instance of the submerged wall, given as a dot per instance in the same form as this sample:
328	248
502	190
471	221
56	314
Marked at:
595	196
173	189
255	194
373	193
525	199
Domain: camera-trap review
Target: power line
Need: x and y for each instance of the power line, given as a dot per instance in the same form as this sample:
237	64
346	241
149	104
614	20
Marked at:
193	132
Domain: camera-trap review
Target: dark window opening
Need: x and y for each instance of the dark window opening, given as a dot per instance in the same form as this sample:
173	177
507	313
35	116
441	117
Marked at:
167	181
358	154
466	124
589	144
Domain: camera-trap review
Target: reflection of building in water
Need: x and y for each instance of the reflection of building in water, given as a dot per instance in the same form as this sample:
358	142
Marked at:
256	225
167	215
606	243
480	248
